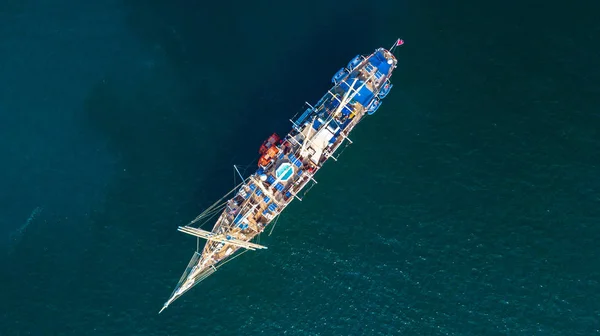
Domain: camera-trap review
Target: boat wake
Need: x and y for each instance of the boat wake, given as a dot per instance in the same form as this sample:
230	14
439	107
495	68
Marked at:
16	236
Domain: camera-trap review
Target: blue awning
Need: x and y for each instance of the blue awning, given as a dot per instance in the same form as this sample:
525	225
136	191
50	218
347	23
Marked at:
346	110
304	115
333	104
363	96
380	62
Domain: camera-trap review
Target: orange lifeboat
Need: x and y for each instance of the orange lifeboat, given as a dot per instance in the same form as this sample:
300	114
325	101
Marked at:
268	157
272	140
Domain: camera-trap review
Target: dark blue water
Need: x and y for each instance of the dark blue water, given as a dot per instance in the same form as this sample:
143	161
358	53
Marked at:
468	205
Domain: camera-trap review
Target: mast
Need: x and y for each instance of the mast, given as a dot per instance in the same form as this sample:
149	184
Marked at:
345	98
351	88
221	238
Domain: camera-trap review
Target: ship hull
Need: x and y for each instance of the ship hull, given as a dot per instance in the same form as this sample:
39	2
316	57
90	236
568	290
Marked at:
287	165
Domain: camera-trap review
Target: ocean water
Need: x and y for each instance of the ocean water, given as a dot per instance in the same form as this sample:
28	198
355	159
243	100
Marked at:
468	205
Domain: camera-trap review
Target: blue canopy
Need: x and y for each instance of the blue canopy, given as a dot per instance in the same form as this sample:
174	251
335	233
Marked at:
346	110
333	104
380	62
304	115
363	96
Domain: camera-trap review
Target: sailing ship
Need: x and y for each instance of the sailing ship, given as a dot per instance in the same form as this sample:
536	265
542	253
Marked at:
287	166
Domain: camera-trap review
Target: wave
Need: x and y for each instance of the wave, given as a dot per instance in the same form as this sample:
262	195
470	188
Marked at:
16	236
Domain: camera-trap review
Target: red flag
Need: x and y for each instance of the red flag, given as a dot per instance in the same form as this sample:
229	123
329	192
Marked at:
399	42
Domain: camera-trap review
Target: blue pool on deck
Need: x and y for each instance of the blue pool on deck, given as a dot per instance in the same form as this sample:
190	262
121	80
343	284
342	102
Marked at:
284	171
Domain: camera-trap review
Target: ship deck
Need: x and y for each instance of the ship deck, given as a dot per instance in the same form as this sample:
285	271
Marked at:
288	165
